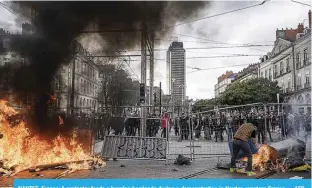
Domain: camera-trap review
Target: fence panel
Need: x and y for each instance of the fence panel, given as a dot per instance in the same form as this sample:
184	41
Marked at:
179	137
213	129
128	139
134	147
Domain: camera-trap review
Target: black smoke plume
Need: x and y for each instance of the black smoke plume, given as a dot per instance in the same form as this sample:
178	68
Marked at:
57	24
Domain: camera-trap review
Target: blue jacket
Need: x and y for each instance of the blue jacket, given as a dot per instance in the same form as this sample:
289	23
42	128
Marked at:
241	153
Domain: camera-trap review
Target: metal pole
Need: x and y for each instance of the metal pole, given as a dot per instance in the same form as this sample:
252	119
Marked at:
265	124
278	107
283	123
151	52
189	125
159	97
182	98
193	145
143	76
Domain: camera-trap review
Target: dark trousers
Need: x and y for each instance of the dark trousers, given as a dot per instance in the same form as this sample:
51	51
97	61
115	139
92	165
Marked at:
176	131
261	136
241	145
164	133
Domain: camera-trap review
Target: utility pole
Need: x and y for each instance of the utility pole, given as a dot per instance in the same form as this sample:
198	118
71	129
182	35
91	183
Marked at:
150	45
160	98
294	67
143	78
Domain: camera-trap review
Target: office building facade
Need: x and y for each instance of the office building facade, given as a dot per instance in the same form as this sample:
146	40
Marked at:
176	73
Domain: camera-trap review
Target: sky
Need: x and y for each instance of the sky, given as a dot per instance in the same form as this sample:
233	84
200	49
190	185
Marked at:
256	25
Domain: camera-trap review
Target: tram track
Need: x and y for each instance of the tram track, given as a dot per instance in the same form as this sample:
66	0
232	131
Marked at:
199	173
265	175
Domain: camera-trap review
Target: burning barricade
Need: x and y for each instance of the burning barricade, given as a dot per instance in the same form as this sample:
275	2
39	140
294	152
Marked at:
287	155
20	150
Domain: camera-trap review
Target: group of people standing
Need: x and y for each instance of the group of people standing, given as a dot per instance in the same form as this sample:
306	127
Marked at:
215	126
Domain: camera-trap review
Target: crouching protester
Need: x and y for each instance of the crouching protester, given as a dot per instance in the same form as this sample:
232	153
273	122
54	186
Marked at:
240	141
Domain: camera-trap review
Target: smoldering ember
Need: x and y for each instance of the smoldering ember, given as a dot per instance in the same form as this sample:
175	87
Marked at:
186	86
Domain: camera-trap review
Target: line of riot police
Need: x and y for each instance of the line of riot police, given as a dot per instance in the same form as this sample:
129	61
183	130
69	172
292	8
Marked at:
216	125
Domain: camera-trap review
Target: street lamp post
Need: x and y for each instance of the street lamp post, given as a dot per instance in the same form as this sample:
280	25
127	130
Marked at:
183	98
171	95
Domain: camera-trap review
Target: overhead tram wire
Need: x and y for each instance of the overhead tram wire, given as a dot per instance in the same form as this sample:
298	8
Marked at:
300	3
208	57
128	63
183	23
216	15
207	42
213	68
208	48
13	12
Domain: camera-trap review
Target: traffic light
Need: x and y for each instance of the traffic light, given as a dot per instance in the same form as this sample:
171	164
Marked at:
142	93
155	99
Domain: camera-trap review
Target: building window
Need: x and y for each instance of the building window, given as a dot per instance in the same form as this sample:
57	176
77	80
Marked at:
298	60
275	70
287	65
281	68
81	86
86	73
92	90
84	87
299	81
89	88
270	74
289	84
76	84
305	56
307	77
80	102
266	74
78	66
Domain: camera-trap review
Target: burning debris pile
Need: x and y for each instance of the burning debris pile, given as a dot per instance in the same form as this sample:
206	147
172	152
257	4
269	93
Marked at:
269	158
264	155
20	150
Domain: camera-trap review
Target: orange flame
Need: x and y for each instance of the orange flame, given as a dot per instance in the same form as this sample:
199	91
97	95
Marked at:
21	150
265	153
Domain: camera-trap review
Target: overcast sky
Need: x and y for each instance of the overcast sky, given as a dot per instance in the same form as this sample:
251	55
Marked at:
256	26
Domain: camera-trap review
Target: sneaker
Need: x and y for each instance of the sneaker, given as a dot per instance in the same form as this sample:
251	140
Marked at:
232	169
241	171
250	173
